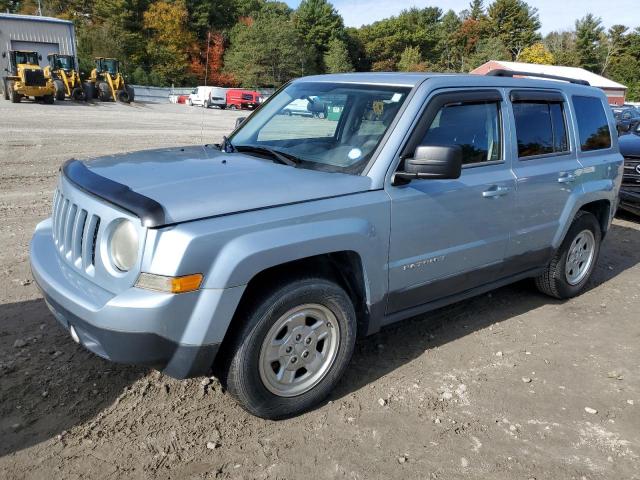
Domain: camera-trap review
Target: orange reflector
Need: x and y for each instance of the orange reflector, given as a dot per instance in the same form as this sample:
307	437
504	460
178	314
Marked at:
188	283
161	283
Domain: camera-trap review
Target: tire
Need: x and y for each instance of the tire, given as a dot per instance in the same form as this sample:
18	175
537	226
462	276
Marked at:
13	95
123	96
565	279
233	107
104	92
78	95
89	91
190	103
48	99
223	107
60	90
131	92
252	379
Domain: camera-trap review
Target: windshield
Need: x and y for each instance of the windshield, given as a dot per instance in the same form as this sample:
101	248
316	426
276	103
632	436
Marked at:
65	63
326	126
110	66
29	58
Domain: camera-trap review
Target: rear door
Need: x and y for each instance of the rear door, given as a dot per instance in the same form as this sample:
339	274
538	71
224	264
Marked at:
546	167
448	236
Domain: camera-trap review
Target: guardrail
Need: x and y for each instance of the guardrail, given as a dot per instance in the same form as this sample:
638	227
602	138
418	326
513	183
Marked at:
158	94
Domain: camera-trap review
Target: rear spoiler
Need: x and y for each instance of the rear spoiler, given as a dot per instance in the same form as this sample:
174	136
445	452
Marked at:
500	72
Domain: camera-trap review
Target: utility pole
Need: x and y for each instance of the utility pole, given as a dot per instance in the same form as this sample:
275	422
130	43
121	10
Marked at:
39	8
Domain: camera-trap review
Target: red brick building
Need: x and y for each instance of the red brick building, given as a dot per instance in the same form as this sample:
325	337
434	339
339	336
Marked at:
616	92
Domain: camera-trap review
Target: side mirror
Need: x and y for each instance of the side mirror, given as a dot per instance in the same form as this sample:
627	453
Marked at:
39	57
239	121
432	162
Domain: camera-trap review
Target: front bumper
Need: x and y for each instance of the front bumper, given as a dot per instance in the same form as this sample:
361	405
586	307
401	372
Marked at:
179	334
630	200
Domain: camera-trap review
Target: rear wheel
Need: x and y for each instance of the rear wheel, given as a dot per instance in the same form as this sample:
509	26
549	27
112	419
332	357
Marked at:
571	267
131	92
48	99
233	107
14	96
89	91
77	94
293	348
123	96
104	92
60	89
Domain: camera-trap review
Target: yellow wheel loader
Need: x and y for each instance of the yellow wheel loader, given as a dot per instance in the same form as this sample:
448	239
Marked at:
64	75
107	83
23	77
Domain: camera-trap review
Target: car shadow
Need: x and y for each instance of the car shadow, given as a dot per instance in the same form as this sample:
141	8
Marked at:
400	343
48	384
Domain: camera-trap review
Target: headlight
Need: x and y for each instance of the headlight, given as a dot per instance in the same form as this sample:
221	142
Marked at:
124	246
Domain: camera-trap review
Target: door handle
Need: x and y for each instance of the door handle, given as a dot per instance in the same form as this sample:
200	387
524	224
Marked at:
567	178
495	192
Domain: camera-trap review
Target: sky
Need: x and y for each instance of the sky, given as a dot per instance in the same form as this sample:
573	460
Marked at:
554	14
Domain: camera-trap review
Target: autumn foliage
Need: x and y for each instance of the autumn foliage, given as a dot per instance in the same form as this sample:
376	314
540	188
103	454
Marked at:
214	75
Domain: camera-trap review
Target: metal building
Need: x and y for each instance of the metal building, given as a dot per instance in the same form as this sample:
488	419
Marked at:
44	35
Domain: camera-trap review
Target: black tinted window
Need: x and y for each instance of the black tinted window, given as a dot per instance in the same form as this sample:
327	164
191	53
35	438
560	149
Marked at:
592	123
475	127
540	128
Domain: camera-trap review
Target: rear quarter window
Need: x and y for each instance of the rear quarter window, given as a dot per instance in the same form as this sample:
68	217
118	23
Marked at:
593	126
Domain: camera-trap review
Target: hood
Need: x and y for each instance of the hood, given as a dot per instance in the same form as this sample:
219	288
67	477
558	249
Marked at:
197	182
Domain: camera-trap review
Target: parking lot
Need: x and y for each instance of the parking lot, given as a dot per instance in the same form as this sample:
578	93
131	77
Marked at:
509	385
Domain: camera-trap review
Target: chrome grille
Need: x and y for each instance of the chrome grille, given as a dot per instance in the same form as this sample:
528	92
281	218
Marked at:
631	173
75	231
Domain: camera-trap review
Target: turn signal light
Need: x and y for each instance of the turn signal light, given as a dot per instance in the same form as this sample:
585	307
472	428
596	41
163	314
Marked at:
161	283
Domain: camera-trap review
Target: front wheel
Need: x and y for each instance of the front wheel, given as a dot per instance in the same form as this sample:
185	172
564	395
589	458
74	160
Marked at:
59	89
571	267
293	348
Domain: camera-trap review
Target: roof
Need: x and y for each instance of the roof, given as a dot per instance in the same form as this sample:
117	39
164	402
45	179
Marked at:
571	72
441	80
33	18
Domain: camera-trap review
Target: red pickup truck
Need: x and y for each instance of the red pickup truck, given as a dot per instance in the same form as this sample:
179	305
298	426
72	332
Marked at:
243	99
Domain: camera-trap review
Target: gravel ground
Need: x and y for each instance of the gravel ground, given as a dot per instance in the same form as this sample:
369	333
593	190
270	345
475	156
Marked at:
507	385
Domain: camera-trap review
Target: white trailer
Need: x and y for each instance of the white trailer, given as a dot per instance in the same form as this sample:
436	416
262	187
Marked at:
44	35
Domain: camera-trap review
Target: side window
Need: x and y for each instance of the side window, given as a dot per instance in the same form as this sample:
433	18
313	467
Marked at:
592	123
540	128
474	127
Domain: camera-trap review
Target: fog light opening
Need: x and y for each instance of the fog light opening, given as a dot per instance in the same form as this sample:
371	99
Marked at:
74	334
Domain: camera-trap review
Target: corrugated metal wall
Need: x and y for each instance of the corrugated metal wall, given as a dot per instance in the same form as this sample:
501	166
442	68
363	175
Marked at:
37	29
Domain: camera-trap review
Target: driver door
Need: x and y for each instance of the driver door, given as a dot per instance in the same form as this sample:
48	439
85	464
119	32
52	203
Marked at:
449	236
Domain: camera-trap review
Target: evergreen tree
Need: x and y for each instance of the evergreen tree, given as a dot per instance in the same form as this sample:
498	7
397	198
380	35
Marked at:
317	23
589	32
515	23
337	60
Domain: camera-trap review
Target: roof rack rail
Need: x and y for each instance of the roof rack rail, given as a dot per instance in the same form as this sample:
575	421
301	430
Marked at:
500	72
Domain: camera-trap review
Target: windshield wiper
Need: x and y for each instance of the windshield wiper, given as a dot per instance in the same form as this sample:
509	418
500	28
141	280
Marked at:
226	146
280	157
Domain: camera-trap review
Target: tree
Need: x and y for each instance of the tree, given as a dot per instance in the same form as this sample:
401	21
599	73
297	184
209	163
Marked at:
515	23
589	32
170	40
488	49
207	15
207	63
411	61
562	45
476	9
317	23
450	51
265	52
337	60
537	53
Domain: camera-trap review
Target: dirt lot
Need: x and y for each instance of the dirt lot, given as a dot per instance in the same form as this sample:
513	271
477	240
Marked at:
507	385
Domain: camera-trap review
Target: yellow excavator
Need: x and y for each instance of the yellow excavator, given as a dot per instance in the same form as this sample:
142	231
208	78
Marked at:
107	83
64	75
25	78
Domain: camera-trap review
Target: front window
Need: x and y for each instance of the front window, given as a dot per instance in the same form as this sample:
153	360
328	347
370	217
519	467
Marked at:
65	63
326	126
26	58
110	66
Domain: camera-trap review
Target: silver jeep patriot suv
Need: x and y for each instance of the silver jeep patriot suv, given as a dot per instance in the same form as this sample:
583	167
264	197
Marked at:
263	258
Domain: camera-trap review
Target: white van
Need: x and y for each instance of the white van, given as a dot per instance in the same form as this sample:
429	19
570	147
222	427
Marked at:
208	96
